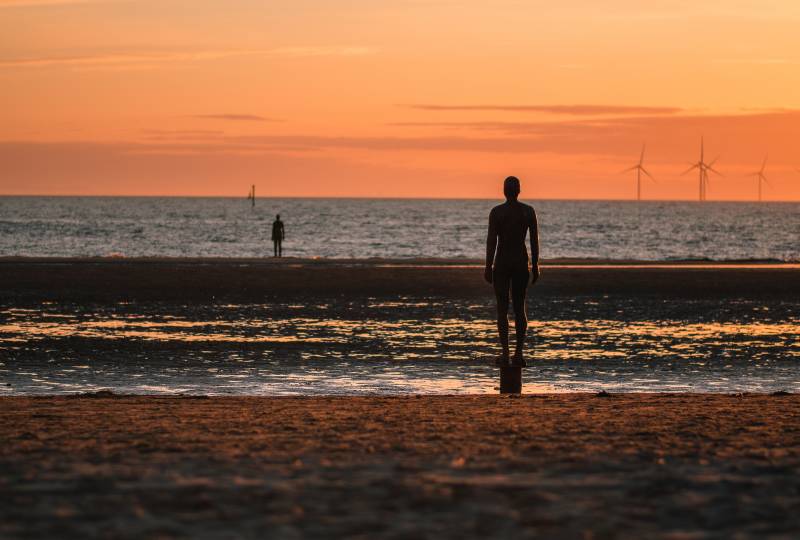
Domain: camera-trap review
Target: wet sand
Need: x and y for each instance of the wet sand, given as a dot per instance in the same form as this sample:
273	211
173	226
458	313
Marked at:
109	279
269	327
550	466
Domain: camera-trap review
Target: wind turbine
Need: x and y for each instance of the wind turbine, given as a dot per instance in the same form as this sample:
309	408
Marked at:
639	168
703	168
759	174
251	196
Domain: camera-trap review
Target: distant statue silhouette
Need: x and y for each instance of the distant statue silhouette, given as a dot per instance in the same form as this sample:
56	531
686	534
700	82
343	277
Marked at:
507	264
278	234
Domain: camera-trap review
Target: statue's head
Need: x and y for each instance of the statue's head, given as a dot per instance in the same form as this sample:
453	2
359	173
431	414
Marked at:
511	188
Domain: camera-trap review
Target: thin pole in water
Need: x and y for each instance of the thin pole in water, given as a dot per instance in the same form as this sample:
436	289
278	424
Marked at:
251	196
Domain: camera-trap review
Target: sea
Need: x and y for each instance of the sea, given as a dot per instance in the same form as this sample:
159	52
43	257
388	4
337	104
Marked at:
403	345
391	228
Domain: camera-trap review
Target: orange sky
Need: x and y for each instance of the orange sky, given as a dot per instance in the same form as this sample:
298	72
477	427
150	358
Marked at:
436	98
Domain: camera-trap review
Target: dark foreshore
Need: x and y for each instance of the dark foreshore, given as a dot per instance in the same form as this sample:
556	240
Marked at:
110	279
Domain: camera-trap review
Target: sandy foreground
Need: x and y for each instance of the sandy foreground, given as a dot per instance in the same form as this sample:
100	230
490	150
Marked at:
550	466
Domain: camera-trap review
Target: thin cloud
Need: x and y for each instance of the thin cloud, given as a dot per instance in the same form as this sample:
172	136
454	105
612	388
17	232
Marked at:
181	134
758	61
182	131
497	126
121	59
323	51
739	137
760	10
127	59
614	125
34	3
615	136
236	117
575	110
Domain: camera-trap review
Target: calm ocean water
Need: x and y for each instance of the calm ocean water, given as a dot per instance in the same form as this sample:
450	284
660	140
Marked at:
225	227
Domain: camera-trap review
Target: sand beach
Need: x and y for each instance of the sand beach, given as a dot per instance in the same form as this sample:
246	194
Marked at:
549	466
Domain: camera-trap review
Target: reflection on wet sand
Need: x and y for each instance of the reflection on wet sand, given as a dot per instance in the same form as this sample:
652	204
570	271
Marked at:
404	346
561	339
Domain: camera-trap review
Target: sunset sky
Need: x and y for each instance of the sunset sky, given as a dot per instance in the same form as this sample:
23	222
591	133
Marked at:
397	98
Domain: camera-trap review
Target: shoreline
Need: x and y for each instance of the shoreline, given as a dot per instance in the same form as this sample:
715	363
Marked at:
367	198
432	262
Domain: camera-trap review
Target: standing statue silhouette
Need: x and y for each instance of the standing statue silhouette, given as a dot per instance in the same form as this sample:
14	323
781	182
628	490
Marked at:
507	264
278	234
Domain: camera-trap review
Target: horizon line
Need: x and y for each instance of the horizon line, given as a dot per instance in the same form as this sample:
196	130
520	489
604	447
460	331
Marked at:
409	198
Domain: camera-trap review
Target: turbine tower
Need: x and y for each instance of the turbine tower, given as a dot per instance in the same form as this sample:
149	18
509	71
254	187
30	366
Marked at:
251	196
703	168
759	174
639	168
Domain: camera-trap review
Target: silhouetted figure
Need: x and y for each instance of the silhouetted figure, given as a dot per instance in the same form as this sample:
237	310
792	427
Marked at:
507	264
278	235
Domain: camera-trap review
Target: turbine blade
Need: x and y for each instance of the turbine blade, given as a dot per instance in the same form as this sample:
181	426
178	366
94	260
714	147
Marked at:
648	174
641	157
629	169
764	164
713	161
690	169
764	178
715	171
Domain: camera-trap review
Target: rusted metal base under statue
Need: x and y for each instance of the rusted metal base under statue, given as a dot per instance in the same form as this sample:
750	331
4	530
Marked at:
510	380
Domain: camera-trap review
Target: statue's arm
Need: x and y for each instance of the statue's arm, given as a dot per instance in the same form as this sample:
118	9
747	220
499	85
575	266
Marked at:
491	247
534	234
